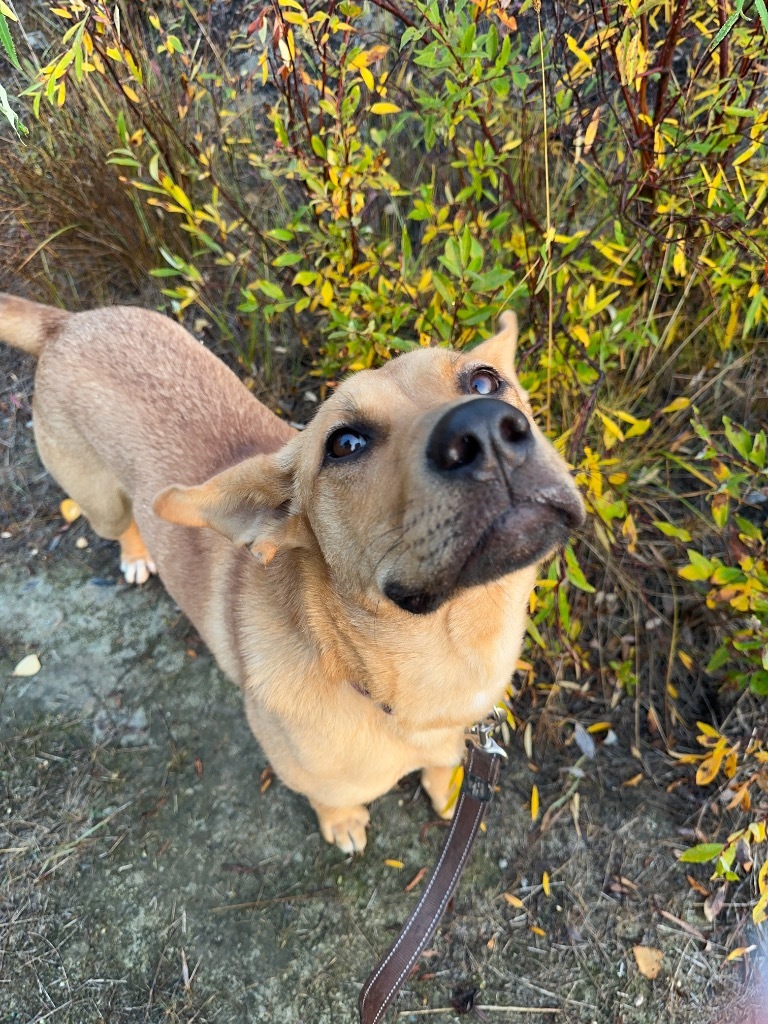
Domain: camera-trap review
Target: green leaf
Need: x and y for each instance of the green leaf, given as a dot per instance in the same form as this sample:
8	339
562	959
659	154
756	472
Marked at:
757	455
9	114
702	853
269	288
673	531
7	43
574	574
306	277
738	437
718	659
287	259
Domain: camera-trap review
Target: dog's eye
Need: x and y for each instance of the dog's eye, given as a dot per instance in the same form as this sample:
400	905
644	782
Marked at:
345	442
484	382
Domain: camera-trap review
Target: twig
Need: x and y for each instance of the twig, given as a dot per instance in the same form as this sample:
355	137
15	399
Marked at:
548	242
285	898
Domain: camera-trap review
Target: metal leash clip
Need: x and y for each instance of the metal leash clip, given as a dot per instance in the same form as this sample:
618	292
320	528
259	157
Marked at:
481	734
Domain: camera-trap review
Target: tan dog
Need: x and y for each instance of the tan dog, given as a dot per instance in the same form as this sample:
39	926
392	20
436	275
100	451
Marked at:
396	538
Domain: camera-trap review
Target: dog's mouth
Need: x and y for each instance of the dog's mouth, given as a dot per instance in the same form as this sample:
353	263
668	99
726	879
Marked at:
520	536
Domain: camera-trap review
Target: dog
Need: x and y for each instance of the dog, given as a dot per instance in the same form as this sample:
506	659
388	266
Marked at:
364	581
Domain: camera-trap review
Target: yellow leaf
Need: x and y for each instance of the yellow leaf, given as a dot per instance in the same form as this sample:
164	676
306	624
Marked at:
686	659
28	666
292	18
709	768
6	10
326	293
394	864
573	46
762	879
385	108
708	730
679	403
538	931
534	802
760	910
591	132
737	954
514	901
545	883
648	960
629	530
70	510
130	94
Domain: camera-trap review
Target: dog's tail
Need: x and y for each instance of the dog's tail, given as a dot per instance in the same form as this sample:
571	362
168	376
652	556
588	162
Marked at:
28	325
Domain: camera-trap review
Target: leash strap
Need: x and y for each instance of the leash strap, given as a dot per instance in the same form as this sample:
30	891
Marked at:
481	772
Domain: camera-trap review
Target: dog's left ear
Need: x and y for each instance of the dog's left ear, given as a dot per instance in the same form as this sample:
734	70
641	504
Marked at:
248	503
500	350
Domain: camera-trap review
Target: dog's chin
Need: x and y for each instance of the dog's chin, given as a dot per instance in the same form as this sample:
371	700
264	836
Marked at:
521	536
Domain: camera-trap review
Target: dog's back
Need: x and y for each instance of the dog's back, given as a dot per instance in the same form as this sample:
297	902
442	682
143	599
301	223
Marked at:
126	403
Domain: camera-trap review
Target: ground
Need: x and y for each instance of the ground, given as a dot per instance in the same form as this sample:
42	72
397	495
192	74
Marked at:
147	876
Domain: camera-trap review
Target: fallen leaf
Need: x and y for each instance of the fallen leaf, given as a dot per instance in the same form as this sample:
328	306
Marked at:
737	954
395	864
714	904
28	666
697	886
266	779
584	741
545	883
648	960
528	741
513	901
415	880
634	781
70	510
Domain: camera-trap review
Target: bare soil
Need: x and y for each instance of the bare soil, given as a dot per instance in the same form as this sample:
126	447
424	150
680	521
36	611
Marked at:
145	876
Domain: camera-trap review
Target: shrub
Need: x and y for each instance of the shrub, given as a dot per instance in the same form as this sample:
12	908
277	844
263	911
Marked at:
382	175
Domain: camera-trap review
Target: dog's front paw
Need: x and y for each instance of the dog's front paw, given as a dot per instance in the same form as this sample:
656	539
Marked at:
135	560
344	826
137	570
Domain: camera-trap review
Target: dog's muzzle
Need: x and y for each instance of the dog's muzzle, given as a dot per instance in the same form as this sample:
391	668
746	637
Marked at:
514	501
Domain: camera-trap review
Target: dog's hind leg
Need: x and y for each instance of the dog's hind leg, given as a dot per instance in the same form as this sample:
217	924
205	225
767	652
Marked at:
79	470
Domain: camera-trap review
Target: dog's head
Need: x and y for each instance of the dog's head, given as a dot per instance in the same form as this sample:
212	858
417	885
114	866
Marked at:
414	481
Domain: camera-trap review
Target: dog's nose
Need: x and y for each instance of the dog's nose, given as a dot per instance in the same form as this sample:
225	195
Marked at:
469	435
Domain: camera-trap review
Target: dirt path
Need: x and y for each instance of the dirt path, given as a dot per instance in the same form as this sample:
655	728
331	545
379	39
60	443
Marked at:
146	878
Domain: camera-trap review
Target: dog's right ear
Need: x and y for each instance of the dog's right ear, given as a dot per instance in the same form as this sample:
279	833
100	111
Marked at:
248	503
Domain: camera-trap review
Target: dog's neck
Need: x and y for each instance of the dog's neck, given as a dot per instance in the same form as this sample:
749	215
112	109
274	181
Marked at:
444	669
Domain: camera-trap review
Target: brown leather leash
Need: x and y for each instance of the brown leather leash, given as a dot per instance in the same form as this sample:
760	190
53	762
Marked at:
481	772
